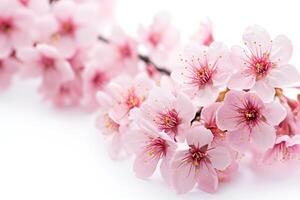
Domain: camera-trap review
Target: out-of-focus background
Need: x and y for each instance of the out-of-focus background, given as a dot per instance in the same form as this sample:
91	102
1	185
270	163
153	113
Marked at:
50	154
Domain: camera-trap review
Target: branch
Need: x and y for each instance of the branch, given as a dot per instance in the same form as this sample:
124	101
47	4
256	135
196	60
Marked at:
197	116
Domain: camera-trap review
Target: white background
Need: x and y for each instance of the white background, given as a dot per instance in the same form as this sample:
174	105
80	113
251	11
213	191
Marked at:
50	154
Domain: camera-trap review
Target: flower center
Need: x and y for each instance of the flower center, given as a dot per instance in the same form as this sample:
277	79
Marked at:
67	28
201	76
251	115
154	39
261	65
48	63
5	26
197	154
156	147
24	2
110	124
99	80
132	99
125	51
168	121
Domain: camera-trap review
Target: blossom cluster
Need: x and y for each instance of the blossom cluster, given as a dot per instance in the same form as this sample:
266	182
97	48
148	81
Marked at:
195	114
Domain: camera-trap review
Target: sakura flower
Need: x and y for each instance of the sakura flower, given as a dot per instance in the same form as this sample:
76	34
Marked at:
248	119
67	94
165	112
208	119
120	51
205	71
109	127
127	95
284	156
45	61
69	26
205	34
8	68
95	78
160	38
264	65
198	163
150	148
16	25
208	115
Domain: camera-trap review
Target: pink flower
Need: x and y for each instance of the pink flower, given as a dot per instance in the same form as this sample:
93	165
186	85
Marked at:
69	26
198	163
263	66
121	52
285	149
160	38
8	68
94	78
16	25
208	116
165	112
67	94
126	95
205	71
149	149
45	61
109	127
283	157
205	34
248	119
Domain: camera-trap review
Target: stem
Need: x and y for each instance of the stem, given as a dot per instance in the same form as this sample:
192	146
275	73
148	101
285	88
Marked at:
197	116
144	58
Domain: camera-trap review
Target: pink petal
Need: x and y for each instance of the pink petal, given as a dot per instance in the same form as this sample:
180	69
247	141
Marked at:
199	136
208	113
183	178
5	47
145	164
238	139
263	136
220	157
274	113
207	95
208	178
226	115
284	75
241	80
115	146
257	39
264	90
282	50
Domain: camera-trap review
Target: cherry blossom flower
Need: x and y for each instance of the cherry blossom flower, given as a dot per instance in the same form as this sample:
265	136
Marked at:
283	157
109	127
160	38
205	34
95	78
120	51
264	65
69	26
205	71
248	119
127	95
45	61
8	68
15	31
165	112
198	163
150	148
